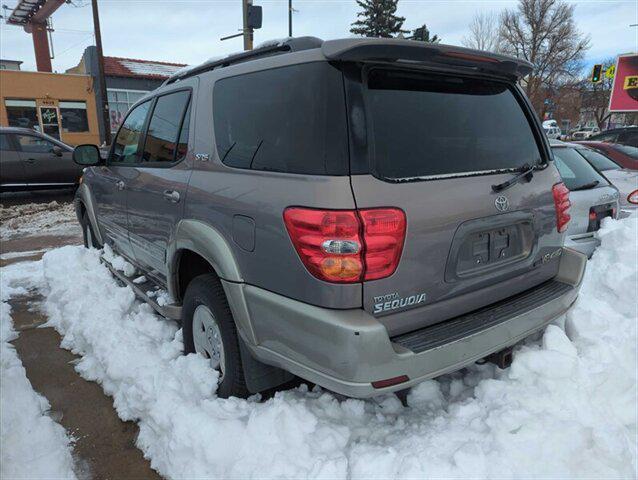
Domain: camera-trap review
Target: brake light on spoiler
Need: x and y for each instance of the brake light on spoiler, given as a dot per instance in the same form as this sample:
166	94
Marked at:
347	246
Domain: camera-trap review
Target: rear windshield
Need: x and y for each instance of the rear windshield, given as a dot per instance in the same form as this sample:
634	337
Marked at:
598	160
426	125
574	169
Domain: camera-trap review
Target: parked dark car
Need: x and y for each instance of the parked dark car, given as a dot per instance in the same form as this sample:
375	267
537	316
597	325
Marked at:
624	155
624	136
31	160
363	213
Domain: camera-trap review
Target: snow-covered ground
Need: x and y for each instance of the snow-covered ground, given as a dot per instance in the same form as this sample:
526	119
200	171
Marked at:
51	218
565	409
33	446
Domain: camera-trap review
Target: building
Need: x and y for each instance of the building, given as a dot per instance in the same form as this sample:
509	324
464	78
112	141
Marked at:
60	105
127	80
10	64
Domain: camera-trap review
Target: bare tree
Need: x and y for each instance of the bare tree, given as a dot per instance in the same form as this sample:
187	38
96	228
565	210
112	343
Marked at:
595	96
483	32
544	33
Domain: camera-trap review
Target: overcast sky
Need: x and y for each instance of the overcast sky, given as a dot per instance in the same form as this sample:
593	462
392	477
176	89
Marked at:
189	31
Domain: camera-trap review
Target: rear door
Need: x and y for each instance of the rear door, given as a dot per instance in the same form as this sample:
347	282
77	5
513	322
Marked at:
434	145
43	166
157	186
11	169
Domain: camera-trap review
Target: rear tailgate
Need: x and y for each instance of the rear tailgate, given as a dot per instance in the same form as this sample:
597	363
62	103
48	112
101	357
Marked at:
438	146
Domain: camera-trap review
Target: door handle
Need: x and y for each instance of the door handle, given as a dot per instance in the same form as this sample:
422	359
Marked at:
171	195
30	160
120	185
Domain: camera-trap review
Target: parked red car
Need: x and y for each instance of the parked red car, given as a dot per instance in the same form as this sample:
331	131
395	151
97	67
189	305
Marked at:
624	155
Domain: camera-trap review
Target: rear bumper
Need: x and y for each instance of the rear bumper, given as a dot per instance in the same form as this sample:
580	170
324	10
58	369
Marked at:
346	350
585	244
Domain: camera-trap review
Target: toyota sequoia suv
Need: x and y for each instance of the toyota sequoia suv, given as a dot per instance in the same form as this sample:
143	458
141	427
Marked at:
362	213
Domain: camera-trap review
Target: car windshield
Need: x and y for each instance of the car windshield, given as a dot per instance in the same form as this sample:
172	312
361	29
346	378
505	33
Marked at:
628	150
598	160
426	125
574	169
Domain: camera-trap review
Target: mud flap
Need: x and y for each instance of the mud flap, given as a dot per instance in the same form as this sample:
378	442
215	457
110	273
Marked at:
258	375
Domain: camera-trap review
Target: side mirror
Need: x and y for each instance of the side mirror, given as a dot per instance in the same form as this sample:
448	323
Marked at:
87	155
57	151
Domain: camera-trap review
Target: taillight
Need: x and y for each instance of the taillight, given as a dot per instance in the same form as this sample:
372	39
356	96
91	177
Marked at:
633	197
562	204
347	246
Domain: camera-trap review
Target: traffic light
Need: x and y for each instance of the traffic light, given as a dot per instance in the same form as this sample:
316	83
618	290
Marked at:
597	74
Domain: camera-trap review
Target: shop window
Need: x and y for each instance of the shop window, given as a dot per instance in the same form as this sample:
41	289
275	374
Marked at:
74	118
119	103
22	113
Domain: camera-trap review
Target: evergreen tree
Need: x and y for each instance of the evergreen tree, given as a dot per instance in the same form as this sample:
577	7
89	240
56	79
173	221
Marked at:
422	34
378	19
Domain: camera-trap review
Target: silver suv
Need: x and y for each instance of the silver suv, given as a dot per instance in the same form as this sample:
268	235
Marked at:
362	213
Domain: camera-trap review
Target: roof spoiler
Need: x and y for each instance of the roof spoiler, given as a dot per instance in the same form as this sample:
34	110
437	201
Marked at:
410	51
274	47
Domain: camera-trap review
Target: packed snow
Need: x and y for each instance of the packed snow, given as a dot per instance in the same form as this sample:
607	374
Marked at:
33	445
565	408
51	218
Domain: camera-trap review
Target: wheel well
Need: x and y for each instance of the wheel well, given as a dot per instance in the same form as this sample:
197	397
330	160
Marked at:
189	266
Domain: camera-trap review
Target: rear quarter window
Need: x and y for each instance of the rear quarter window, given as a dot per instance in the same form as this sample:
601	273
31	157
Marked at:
424	125
289	119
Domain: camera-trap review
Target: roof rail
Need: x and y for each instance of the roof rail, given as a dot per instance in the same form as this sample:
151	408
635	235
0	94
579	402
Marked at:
268	49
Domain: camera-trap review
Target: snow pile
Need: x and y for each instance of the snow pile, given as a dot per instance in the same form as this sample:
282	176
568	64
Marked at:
35	218
33	445
117	262
566	407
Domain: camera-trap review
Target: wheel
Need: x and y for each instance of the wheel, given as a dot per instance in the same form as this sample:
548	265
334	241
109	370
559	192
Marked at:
87	232
209	330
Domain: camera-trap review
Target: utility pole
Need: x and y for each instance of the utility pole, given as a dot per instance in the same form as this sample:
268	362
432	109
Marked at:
248	31
100	71
290	18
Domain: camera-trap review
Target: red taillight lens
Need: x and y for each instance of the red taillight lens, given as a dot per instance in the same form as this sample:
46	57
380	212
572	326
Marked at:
347	246
562	204
633	197
383	235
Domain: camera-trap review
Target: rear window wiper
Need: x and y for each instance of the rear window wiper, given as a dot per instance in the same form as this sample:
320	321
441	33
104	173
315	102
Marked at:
586	186
525	172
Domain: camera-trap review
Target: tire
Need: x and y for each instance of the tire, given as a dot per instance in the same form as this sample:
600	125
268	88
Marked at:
87	233
204	296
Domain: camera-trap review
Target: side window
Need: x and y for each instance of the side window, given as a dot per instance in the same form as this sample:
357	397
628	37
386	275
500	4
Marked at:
5	143
607	138
182	145
629	138
162	138
126	143
289	119
30	144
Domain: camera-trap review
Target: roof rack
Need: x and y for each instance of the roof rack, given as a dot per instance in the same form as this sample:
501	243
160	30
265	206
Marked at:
268	49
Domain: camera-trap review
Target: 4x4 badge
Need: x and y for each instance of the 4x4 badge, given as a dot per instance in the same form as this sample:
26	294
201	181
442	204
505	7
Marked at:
501	203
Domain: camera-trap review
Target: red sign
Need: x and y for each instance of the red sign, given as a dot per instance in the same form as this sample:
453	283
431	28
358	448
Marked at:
624	93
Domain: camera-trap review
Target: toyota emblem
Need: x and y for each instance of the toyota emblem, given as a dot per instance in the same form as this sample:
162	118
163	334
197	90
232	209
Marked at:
501	203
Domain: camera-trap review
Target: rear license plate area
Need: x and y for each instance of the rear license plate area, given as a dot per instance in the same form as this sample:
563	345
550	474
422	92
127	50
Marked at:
487	244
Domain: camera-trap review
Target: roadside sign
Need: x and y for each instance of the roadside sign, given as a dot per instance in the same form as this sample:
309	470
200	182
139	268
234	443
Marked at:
624	92
610	72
